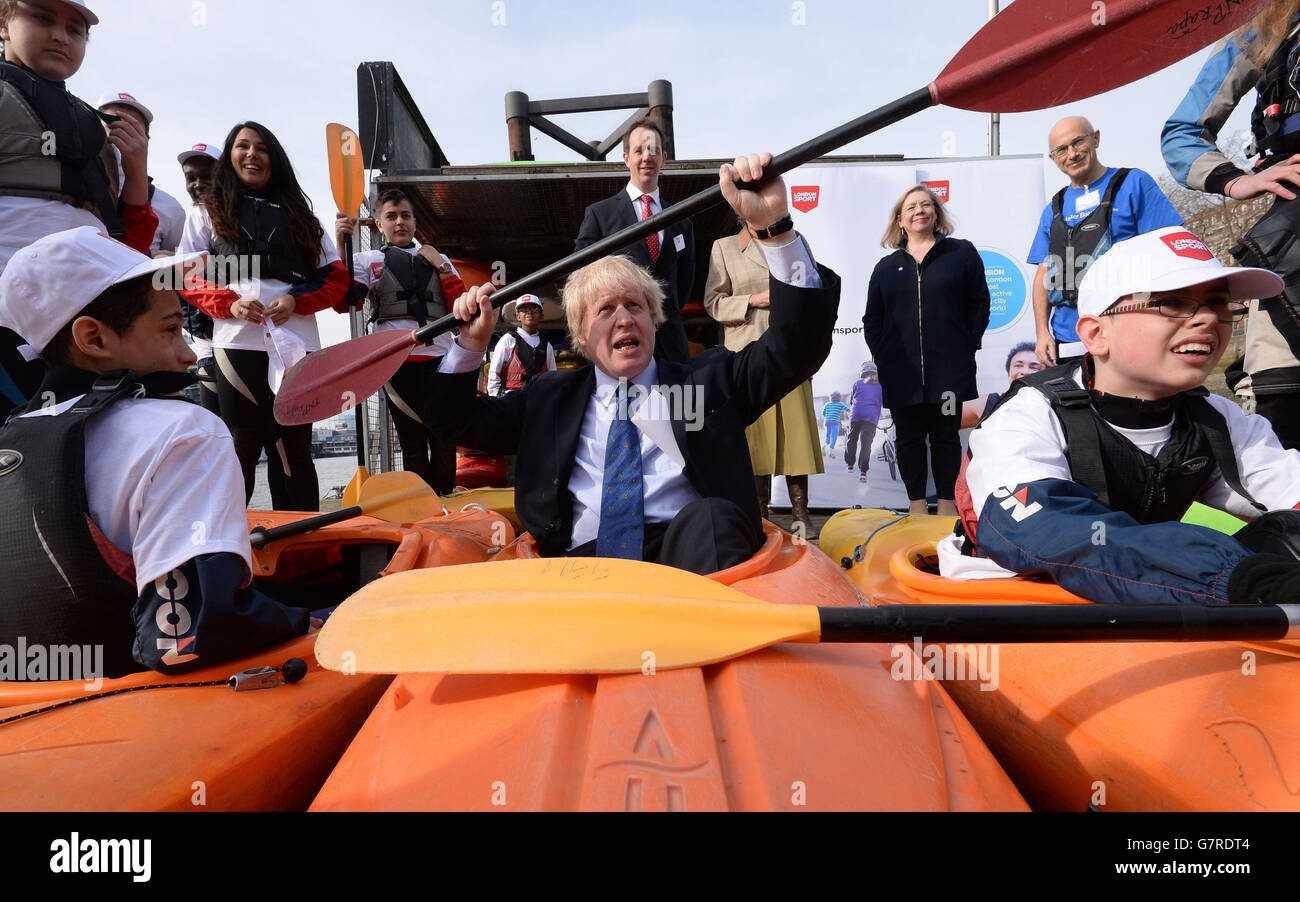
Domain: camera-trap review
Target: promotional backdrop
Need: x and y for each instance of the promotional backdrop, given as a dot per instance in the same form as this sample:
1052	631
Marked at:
843	208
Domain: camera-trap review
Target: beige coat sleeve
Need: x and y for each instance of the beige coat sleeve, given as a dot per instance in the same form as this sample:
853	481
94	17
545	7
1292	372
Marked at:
727	308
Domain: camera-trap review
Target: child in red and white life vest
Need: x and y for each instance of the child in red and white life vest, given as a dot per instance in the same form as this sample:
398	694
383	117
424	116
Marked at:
121	510
406	285
522	353
1082	472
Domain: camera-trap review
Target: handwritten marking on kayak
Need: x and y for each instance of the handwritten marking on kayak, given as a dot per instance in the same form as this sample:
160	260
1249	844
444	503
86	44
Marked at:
577	569
1258	766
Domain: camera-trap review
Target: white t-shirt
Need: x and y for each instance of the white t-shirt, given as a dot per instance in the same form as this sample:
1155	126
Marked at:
369	267
26	220
163	483
171	222
1023	442
501	359
238	333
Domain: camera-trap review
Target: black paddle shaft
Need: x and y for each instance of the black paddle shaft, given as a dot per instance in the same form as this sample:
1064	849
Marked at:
358	419
263	536
697	203
1011	624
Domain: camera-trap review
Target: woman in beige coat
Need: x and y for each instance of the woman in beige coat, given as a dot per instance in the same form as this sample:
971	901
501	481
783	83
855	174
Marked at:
784	440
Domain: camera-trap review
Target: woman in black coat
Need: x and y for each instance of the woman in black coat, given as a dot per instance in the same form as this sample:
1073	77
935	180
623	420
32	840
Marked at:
927	308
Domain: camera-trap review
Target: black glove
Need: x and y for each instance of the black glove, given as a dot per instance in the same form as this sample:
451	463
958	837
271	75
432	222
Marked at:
1265	579
1276	532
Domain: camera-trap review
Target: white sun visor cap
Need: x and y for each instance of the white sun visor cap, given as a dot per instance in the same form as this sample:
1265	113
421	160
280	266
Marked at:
1165	260
47	284
91	18
199	150
124	99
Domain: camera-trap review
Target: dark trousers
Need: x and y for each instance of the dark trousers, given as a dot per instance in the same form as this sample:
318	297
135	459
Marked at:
707	535
1283	411
208	400
247	409
422	454
861	434
915	425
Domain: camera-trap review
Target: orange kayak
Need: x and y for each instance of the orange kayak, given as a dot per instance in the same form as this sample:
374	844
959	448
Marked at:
791	727
1123	726
211	748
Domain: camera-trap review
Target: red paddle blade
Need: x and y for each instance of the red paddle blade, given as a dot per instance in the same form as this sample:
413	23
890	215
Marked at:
336	379
1042	53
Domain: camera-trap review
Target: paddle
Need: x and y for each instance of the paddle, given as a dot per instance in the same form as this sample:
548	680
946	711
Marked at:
348	183
589	615
398	497
1030	56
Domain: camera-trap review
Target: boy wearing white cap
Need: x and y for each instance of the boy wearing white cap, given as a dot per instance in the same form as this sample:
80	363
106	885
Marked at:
521	353
406	285
1082	471
57	169
171	215
197	165
121	504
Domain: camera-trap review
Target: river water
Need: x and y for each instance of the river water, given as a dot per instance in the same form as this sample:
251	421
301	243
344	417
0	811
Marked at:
330	471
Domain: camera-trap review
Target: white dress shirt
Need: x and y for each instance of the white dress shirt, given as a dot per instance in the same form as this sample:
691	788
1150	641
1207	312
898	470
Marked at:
663	465
655	206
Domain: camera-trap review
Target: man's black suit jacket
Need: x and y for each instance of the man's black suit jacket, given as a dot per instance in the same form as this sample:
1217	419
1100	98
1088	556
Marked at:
541	423
674	269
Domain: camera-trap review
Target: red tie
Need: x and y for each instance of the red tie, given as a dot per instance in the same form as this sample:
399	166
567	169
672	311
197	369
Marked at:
652	240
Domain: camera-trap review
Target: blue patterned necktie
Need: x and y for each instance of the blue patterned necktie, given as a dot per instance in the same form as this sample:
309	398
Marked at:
622	501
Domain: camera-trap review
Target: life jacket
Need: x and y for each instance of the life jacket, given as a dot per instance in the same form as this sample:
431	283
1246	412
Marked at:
1275	122
53	147
410	287
62	590
525	362
1123	476
264	237
1073	248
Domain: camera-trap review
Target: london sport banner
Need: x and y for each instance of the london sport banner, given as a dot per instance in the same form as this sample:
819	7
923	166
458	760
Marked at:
843	208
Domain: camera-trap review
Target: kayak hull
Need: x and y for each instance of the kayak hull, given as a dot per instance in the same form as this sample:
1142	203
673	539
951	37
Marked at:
210	748
793	727
1124	726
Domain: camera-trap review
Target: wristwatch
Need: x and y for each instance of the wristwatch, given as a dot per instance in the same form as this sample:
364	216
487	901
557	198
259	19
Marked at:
780	227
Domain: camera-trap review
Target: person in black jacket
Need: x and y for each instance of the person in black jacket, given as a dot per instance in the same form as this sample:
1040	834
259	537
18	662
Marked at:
927	308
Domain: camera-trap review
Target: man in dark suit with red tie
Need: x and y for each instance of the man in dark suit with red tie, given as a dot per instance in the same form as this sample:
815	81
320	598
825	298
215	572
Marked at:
669	255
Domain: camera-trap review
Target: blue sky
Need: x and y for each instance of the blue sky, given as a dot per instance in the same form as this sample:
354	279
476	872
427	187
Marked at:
745	75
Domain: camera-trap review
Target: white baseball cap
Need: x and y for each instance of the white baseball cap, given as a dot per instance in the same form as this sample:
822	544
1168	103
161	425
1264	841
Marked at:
1165	260
47	284
532	299
199	150
91	18
124	99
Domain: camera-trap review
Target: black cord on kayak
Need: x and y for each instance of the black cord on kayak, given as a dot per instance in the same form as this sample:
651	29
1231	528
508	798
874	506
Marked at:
293	670
847	562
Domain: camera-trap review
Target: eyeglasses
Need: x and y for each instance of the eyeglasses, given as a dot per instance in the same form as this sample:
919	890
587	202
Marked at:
1186	308
1078	145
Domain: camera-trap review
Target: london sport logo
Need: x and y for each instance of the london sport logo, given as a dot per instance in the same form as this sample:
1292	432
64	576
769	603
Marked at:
804	197
940	188
1185	244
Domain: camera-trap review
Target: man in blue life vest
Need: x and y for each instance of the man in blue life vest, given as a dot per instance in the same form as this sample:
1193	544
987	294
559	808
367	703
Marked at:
1100	206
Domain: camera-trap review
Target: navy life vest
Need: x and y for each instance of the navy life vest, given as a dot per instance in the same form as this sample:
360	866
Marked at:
1071	249
1275	122
81	171
409	287
264	236
61	591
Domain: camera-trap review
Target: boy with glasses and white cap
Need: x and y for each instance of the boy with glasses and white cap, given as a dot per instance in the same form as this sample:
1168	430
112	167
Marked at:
522	353
121	505
1081	472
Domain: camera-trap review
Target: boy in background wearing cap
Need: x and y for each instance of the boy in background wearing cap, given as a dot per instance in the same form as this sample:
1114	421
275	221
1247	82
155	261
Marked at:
521	353
121	504
57	169
865	401
197	165
1082	471
171	215
406	285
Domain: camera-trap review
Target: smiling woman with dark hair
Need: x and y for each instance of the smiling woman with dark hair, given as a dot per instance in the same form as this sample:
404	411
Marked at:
276	266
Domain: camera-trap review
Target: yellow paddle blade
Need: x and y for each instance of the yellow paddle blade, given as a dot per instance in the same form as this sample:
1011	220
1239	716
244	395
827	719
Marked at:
353	490
556	615
398	497
347	173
